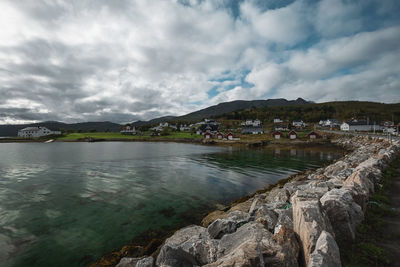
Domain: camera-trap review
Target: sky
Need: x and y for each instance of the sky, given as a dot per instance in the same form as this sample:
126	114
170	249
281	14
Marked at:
126	60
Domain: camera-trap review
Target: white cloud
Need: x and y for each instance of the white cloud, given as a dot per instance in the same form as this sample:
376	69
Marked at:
138	59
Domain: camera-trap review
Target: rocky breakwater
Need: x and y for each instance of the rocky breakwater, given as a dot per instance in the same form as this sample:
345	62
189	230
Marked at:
294	224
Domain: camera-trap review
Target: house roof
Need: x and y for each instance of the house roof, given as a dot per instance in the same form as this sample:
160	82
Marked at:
357	123
277	132
31	129
312	133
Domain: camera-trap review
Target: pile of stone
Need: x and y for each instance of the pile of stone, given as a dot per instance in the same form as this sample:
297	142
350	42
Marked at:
291	225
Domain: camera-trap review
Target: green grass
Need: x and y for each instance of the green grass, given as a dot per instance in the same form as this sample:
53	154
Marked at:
111	136
365	250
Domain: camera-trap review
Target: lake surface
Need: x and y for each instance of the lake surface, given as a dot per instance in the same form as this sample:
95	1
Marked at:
67	204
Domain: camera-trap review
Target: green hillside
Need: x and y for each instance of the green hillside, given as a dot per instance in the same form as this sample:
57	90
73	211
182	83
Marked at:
315	112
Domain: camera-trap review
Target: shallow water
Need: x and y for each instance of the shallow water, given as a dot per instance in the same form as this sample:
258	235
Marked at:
66	204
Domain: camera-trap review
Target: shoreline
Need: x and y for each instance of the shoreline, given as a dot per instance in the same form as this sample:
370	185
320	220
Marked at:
249	143
278	213
150	244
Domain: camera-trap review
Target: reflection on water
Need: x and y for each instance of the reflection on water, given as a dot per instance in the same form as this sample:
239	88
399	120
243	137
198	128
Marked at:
67	204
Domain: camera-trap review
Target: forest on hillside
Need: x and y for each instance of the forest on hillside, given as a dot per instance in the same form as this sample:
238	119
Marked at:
315	112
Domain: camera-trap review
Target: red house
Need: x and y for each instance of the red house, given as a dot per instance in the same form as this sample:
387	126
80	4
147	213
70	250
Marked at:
230	136
292	135
220	135
312	135
207	135
277	134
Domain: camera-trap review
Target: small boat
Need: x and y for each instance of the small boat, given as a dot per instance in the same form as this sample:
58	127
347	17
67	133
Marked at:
49	141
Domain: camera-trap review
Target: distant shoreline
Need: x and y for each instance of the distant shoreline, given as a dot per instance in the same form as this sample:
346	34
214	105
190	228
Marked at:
250	143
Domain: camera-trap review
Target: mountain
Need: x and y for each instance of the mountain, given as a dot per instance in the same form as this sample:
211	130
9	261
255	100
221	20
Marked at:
12	130
155	121
226	107
212	111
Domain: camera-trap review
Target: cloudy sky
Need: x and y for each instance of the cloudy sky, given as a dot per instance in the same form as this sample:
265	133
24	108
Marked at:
124	60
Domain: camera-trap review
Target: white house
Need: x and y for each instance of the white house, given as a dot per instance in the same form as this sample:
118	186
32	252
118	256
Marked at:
184	128
298	123
292	135
277	120
33	132
255	123
128	129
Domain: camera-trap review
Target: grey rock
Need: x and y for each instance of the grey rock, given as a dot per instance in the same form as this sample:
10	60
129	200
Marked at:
311	191
344	214
128	262
189	246
326	252
278	195
175	256
257	202
234	220
242	248
267	217
309	220
285	218
338	169
290	248
146	262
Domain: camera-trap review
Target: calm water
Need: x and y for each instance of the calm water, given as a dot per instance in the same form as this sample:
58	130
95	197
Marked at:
66	204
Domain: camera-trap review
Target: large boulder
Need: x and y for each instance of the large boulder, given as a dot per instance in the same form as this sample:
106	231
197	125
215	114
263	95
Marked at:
136	262
278	195
221	227
267	217
361	178
128	262
339	169
145	262
250	245
290	248
285	218
344	214
309	220
326	252
187	247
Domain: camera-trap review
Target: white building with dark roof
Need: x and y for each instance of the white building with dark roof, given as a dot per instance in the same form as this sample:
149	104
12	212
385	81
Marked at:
34	132
361	126
128	129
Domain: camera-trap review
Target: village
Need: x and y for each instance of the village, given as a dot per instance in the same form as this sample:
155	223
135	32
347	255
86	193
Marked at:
213	130
210	129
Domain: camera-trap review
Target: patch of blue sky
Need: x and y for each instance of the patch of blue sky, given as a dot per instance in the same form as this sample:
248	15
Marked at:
197	103
343	72
228	80
376	14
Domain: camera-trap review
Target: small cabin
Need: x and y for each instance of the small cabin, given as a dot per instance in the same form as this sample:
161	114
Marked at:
277	135
292	135
312	135
220	136
207	135
230	136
